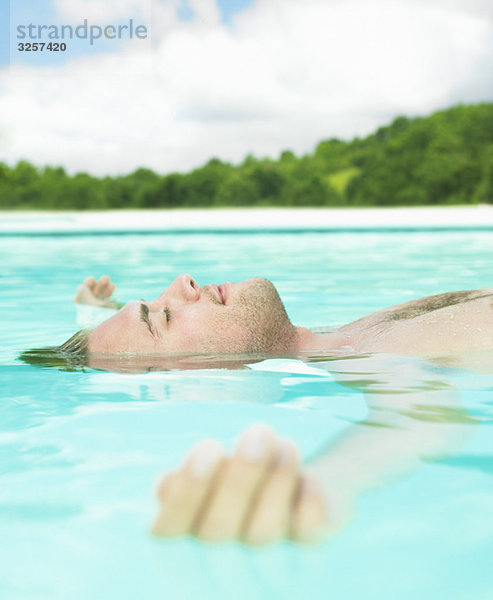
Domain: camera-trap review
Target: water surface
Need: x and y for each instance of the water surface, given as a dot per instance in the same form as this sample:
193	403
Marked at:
79	451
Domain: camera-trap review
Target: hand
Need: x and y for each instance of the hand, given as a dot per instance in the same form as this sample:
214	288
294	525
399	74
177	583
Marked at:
258	495
96	293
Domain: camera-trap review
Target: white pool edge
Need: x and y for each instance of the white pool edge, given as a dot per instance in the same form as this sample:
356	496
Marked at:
240	219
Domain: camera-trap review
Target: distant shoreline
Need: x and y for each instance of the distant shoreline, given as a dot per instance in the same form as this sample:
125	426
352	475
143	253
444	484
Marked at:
20	222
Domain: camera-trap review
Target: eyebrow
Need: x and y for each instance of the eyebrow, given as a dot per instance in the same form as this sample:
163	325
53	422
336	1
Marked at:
144	317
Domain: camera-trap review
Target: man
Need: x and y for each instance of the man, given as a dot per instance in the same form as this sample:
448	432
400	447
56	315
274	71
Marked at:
249	317
261	493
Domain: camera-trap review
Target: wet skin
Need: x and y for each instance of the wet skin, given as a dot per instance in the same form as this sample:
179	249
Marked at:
230	318
261	493
249	317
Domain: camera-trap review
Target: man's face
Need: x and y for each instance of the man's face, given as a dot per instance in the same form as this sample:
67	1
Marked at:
231	318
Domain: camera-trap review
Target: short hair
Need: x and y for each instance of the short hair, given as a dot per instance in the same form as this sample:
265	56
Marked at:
72	355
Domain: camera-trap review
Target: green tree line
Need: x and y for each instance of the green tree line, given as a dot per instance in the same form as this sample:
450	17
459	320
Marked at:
445	158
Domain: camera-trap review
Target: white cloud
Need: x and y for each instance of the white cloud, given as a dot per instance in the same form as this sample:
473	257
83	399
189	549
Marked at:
97	11
481	8
286	75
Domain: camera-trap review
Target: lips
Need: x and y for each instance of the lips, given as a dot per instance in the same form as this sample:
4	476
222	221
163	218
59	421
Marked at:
223	292
217	290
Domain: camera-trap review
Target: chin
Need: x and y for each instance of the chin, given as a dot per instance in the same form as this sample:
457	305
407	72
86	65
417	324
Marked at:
266	325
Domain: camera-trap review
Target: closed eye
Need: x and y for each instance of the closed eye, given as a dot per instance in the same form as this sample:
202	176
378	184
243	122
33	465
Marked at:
144	317
167	313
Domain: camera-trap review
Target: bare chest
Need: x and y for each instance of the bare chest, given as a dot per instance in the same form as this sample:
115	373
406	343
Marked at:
459	327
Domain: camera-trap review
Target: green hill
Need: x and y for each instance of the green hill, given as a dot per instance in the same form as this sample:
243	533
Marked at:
445	158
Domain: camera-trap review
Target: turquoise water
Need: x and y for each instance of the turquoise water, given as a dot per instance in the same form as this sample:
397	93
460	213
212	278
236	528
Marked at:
79	451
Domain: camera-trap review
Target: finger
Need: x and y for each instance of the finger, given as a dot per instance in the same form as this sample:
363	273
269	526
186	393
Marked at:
101	285
310	514
182	493
83	295
90	282
108	290
237	485
269	518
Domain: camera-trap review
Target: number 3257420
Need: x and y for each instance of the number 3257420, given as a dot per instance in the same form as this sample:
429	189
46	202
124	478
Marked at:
40	46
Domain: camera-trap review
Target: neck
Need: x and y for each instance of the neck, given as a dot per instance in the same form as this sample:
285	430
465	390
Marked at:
307	341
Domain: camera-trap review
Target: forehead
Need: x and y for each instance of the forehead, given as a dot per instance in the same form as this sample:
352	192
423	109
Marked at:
123	332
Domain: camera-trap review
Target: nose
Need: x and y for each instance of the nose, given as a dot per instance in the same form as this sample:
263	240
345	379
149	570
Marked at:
184	289
187	287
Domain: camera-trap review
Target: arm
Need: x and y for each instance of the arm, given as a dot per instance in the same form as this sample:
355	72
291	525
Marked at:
412	416
97	293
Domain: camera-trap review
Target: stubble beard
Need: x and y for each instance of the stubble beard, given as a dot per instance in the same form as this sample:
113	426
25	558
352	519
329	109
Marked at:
265	322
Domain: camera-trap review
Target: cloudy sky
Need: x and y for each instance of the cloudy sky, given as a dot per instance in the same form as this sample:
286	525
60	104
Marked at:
230	77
